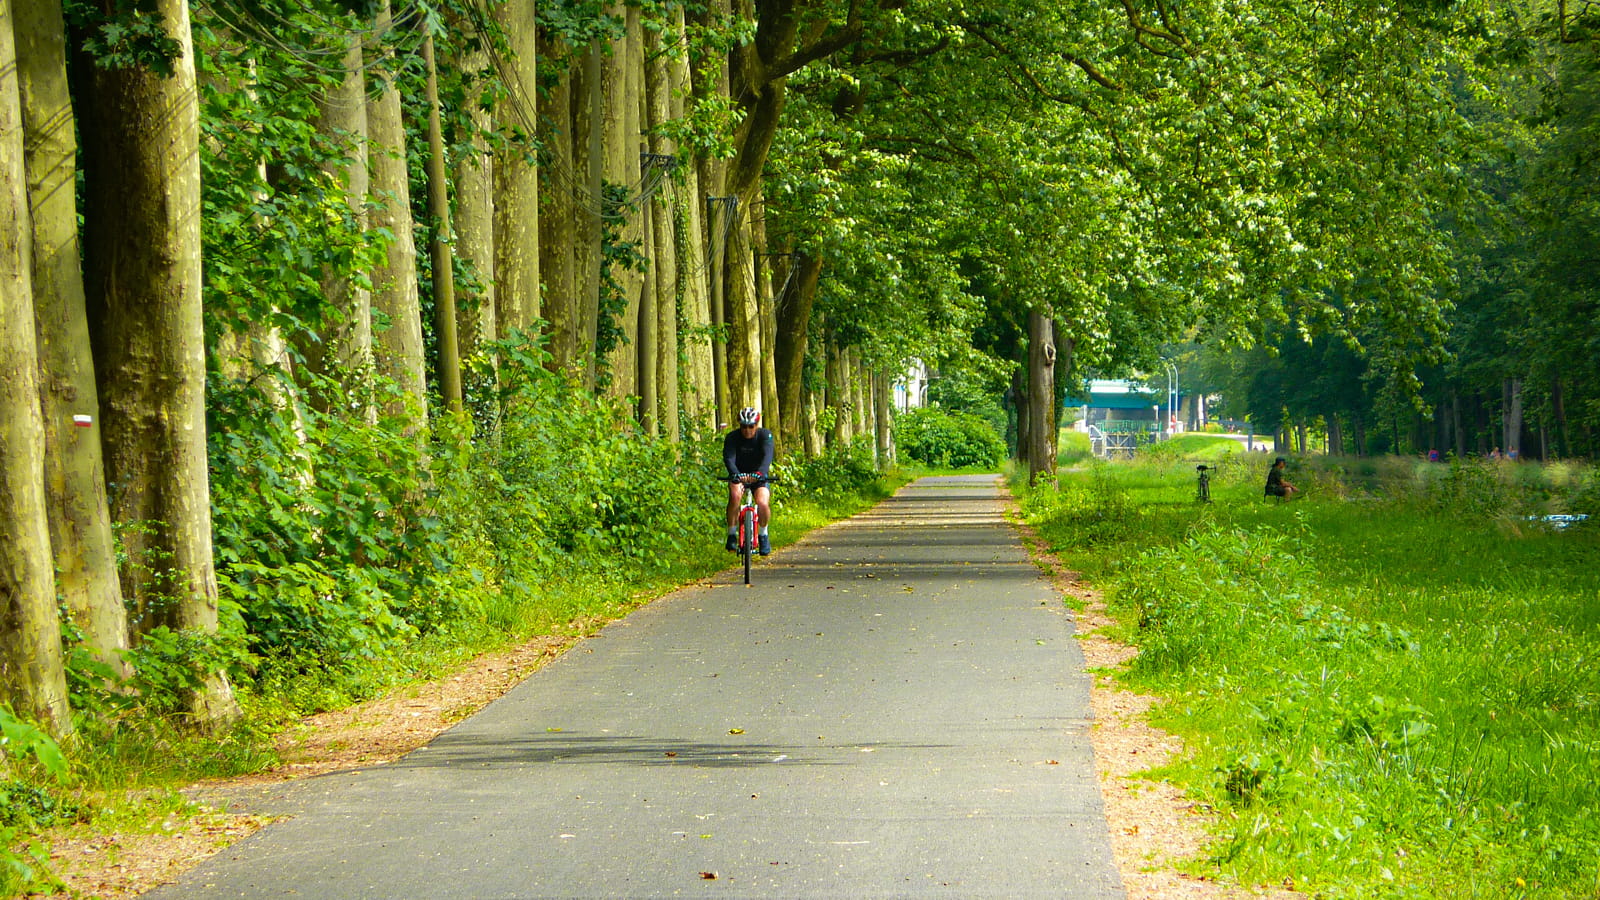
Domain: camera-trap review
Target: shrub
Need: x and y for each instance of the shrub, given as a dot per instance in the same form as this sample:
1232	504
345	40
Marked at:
837	474
957	440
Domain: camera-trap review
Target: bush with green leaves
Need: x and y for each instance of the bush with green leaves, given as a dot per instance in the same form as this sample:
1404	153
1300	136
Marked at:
340	541
27	805
838	473
948	439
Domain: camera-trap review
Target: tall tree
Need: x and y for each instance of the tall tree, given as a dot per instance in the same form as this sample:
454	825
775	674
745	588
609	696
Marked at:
518	220
32	680
476	212
397	341
559	223
660	178
141	161
623	79
1041	397
80	521
699	379
440	239
343	122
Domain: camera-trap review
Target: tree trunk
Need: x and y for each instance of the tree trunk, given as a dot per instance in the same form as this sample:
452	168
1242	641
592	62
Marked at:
1513	418
664	268
142	250
623	79
794	307
398	341
1455	424
74	477
1020	397
699	391
518	218
1558	409
762	265
861	383
833	397
478	317
744	316
1041	390
883	418
589	120
444	281
32	679
342	120
561	233
648	349
813	430
721	222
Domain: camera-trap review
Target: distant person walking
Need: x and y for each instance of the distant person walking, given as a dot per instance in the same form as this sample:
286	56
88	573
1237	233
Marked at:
1276	485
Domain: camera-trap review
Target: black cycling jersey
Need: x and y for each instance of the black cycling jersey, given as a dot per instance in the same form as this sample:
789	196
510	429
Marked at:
747	456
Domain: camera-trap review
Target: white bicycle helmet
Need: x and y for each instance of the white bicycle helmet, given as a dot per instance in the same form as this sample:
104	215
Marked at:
749	416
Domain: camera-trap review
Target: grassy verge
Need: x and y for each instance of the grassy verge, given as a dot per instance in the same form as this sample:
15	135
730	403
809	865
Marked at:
123	771
1389	689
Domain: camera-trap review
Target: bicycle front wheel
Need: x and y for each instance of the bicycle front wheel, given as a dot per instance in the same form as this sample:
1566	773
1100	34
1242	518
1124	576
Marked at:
747	539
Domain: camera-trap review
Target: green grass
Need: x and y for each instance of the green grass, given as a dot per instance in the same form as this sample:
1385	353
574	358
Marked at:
1072	448
1197	447
1396	695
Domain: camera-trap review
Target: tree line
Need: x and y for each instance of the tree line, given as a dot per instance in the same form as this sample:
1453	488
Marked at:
1512	368
287	279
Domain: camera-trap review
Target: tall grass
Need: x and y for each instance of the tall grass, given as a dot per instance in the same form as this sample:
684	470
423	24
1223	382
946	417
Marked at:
1389	689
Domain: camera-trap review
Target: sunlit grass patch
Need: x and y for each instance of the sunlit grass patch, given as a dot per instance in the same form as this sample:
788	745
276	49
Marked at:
1392	695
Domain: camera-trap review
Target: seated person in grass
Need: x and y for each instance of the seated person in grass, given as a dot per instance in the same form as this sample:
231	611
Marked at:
1276	486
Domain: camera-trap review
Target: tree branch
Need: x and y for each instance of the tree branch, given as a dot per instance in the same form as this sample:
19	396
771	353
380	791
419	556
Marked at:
822	49
1088	68
1166	34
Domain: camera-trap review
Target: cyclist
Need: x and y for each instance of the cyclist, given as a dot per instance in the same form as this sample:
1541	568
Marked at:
747	452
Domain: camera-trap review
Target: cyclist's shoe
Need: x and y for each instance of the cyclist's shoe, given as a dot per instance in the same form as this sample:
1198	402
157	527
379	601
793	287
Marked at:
733	543
766	545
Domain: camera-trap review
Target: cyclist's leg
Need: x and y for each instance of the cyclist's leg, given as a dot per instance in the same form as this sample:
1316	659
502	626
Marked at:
763	500
763	504
735	499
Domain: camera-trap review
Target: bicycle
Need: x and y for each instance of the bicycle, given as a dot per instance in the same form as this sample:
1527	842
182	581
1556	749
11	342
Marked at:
1202	493
749	527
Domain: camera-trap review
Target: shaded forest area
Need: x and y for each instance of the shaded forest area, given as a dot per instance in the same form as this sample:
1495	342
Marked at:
330	324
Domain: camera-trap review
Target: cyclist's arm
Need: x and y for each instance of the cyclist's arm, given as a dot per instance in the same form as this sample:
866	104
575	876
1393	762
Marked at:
767	444
730	457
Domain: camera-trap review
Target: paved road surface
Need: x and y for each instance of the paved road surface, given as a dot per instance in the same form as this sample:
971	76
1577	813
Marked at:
896	708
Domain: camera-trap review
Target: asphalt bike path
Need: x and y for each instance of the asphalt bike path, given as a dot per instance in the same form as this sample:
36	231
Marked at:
895	707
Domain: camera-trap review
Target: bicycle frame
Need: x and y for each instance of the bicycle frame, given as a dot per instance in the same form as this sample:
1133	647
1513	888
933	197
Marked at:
749	525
